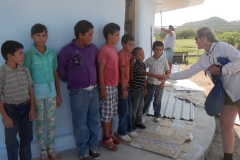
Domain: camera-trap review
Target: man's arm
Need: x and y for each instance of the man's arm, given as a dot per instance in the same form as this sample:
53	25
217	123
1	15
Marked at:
103	92
57	86
167	31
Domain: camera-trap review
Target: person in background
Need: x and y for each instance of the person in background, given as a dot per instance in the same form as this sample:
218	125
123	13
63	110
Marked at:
169	42
208	62
42	64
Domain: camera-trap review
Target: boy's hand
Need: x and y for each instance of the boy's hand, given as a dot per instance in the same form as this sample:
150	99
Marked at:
145	91
8	123
31	115
103	94
162	85
59	101
124	93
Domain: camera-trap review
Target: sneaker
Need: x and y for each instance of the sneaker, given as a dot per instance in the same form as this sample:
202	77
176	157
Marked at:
125	138
115	139
141	126
133	134
44	156
54	156
108	143
156	119
94	154
85	157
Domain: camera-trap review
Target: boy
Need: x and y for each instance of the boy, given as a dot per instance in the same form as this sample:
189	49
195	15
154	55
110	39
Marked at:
138	87
77	67
157	64
125	103
108	80
42	64
17	108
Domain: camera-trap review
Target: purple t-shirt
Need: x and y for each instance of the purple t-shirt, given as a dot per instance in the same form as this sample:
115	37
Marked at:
77	66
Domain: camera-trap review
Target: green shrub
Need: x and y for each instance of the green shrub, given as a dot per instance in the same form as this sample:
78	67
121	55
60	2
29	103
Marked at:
232	38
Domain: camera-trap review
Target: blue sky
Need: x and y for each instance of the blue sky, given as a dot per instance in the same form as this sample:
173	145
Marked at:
226	9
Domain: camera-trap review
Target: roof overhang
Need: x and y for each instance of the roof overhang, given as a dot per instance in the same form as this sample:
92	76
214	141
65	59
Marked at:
168	5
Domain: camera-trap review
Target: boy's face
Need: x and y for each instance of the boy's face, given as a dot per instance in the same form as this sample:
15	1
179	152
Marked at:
129	46
158	50
114	38
140	55
40	38
17	57
86	39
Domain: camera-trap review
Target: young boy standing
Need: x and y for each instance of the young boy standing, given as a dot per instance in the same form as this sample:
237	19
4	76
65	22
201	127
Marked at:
108	79
125	127
157	64
77	67
138	87
42	64
17	107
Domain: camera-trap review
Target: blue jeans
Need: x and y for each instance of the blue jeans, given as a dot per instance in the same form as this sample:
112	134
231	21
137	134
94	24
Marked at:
124	112
157	92
85	118
168	53
22	126
137	105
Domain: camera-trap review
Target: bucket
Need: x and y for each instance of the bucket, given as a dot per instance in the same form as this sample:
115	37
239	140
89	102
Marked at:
175	68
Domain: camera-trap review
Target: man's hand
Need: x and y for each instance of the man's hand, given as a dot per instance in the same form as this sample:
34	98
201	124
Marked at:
103	94
59	101
8	123
214	70
124	93
162	78
31	115
162	85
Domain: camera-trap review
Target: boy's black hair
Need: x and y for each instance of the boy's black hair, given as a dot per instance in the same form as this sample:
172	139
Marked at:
110	28
83	27
38	28
134	52
126	38
10	47
158	43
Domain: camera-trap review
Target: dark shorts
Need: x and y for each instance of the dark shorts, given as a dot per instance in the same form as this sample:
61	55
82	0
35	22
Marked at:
228	101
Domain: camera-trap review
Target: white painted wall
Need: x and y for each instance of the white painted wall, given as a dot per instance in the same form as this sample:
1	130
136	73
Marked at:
145	15
60	16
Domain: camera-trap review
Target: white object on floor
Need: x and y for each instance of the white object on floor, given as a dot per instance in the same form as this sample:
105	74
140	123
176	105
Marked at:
198	101
182	85
237	121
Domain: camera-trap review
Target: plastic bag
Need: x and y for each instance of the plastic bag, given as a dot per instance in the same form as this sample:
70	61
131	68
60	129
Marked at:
215	99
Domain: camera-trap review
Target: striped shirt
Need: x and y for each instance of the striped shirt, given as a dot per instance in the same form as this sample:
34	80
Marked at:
14	84
138	78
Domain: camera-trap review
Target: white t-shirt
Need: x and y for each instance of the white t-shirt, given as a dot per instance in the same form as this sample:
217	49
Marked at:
169	40
230	71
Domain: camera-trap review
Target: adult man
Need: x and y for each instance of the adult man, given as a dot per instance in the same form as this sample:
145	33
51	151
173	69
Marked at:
169	42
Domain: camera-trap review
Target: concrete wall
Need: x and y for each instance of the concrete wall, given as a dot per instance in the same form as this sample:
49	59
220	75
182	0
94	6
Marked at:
60	16
145	14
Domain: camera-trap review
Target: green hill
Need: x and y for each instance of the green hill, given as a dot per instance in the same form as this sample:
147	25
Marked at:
216	23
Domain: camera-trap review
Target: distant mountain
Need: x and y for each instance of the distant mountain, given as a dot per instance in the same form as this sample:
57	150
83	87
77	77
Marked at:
216	23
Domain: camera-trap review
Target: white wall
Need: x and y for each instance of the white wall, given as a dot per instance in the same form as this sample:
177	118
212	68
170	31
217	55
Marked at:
144	17
60	16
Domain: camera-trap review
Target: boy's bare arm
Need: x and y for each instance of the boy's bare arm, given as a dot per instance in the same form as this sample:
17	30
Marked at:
124	90
32	103
57	86
7	121
149	74
103	92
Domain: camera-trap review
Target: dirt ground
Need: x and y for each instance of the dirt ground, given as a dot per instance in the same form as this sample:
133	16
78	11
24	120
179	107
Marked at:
216	151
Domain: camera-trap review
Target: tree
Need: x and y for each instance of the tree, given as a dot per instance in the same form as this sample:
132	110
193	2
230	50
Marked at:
185	34
232	38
